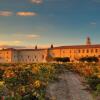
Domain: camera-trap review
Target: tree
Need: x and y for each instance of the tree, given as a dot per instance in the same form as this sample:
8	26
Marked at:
62	59
89	59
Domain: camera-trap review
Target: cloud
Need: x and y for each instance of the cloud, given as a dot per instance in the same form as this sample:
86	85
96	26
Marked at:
33	36
38	46
3	42
26	13
97	1
12	46
93	23
17	42
37	1
6	13
19	36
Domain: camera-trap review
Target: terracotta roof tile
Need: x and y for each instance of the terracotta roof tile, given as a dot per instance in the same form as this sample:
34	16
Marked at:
78	46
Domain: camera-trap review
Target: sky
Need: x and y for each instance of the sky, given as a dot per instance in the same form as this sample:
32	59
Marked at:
45	22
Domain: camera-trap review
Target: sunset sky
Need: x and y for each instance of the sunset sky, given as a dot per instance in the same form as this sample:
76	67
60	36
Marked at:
45	22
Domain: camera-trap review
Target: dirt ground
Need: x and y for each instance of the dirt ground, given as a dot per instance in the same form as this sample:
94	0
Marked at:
69	87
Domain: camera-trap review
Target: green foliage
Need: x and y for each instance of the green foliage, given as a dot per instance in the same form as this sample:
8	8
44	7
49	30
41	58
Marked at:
93	81
1	73
19	80
62	59
98	88
89	59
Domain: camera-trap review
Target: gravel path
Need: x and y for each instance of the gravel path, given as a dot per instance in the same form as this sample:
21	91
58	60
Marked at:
69	87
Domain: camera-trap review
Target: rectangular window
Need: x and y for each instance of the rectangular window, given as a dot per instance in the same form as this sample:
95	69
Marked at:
83	51
91	50
79	51
96	50
87	51
28	56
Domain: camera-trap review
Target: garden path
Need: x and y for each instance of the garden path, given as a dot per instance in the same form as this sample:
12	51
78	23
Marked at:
69	87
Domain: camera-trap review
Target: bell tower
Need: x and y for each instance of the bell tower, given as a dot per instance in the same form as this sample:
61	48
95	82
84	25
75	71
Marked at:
88	41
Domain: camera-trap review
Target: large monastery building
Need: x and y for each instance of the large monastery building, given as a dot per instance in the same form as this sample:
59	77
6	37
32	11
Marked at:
11	55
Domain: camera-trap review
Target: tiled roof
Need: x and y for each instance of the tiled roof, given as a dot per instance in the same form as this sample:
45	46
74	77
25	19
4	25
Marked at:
29	49
6	49
60	47
78	46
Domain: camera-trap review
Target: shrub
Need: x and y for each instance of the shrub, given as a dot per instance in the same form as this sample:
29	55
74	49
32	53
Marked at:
98	88
93	81
89	59
60	59
1	73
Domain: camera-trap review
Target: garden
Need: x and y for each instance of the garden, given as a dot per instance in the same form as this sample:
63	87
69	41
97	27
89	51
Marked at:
26	81
91	72
29	81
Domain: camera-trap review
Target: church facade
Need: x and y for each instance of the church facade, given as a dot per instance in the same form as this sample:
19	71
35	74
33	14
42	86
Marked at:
11	55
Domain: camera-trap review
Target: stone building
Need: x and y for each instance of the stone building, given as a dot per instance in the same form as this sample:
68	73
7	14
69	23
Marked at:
74	52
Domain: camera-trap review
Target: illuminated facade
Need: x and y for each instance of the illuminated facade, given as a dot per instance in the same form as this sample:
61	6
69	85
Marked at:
40	55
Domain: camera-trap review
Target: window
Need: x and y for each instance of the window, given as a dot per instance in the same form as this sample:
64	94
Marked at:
79	51
21	56
7	57
42	56
96	50
28	56
87	51
74	51
91	50
81	55
83	51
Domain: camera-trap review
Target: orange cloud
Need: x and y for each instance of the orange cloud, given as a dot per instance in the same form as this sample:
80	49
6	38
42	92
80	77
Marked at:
33	36
10	42
37	1
26	13
6	13
17	42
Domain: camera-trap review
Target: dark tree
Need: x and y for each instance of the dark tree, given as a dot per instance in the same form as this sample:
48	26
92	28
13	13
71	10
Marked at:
89	59
62	59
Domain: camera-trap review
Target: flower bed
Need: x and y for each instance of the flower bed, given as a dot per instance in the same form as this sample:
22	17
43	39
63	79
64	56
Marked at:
25	81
